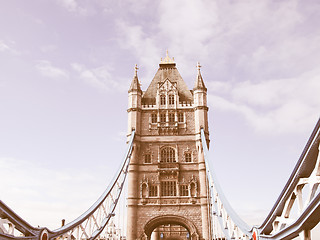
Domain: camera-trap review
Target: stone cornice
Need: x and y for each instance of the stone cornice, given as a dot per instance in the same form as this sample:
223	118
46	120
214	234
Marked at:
168	138
201	108
134	110
135	90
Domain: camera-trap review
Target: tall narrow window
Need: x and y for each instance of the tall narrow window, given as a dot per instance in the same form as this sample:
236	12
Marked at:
153	191
168	188
168	155
184	191
171	117
171	99
162	117
154	118
187	157
162	100
180	117
147	158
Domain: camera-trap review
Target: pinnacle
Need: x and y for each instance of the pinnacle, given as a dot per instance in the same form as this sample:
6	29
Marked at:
199	84
135	85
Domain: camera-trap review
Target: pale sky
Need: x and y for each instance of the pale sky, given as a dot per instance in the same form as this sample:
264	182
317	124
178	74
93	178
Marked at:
66	66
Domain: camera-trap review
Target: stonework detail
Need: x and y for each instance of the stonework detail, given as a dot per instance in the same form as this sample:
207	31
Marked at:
167	178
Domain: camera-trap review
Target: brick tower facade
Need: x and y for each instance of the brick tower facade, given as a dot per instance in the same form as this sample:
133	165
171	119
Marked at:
167	187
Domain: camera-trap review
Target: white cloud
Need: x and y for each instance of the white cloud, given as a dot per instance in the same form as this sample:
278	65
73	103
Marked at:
99	77
33	190
182	27
274	106
134	38
265	39
74	6
48	70
188	25
4	47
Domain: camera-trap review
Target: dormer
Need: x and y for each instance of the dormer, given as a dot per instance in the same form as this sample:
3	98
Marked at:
167	94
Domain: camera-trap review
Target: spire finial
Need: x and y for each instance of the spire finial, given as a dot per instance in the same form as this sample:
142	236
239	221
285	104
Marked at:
167	59
198	66
135	84
136	70
199	84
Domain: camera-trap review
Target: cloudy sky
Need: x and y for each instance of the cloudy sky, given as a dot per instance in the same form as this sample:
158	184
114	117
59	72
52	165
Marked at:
66	66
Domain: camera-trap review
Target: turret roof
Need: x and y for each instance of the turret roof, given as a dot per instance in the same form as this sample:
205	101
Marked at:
135	85
167	70
199	84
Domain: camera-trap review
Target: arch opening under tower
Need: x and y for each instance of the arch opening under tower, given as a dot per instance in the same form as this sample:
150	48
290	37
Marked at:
170	227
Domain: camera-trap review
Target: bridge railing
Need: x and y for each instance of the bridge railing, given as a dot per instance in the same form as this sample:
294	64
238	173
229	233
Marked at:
297	209
87	226
11	224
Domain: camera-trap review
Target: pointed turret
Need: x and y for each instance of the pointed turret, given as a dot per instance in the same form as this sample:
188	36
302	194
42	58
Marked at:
135	85
134	103
200	102
199	84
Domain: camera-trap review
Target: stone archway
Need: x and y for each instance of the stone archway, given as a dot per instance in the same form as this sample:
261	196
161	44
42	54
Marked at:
170	219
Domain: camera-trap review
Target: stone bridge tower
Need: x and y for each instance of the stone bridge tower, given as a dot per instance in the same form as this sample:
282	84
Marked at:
167	189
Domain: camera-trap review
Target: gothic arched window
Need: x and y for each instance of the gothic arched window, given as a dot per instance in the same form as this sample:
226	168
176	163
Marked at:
180	117
188	157
171	117
171	99
162	100
154	118
168	155
147	158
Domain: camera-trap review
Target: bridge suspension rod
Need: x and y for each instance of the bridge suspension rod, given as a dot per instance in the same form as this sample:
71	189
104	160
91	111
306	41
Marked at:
232	226
87	226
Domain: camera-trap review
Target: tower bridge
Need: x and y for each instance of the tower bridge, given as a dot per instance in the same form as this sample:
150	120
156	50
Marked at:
173	192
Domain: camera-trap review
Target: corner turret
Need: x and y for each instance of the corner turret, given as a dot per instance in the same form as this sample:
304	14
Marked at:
134	103
199	84
135	85
200	102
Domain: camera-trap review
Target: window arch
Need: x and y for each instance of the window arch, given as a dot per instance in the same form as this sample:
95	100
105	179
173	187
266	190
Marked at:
171	99
154	118
147	158
162	100
180	117
171	117
168	155
188	157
